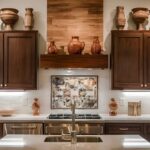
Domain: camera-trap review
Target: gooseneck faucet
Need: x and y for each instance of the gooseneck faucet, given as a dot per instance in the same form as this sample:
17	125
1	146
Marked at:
73	131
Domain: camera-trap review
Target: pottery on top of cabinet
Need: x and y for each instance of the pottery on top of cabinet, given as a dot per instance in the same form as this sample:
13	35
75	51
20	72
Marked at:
28	20
52	49
96	46
9	17
140	15
120	18
75	46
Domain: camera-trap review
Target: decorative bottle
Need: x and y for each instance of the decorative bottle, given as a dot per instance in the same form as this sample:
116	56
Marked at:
96	47
52	49
28	20
75	46
36	107
113	106
120	18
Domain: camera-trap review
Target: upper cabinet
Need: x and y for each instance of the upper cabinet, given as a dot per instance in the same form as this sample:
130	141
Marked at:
18	56
130	60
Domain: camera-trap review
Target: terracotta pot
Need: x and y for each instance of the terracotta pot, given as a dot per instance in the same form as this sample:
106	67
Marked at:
139	16
75	46
52	49
9	17
96	47
28	20
120	18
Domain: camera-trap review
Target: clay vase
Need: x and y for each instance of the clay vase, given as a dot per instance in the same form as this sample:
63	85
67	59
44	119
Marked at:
96	47
9	17
75	46
36	107
140	15
120	18
52	49
28	20
113	106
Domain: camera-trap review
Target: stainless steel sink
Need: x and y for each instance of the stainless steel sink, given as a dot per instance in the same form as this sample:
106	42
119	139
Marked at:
79	139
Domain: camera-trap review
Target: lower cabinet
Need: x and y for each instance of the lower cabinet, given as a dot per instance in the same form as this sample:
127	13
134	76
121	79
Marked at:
23	128
124	128
147	131
1	130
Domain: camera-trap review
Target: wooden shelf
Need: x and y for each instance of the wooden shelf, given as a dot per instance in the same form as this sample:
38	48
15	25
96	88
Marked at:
73	61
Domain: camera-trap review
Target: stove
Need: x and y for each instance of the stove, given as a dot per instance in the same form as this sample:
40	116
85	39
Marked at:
78	116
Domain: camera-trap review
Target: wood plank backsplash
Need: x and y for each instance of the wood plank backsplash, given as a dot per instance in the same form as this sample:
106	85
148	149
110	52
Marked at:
67	18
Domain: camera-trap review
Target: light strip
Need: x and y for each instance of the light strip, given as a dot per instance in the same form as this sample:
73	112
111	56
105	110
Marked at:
12	93
136	93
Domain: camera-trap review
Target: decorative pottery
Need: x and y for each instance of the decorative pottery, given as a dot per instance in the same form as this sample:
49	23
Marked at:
113	106
140	15
9	17
28	20
120	18
52	49
96	47
75	46
36	107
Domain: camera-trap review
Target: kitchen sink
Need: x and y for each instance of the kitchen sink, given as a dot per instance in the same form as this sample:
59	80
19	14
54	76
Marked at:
79	139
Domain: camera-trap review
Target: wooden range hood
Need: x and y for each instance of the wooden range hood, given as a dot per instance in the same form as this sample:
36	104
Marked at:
74	61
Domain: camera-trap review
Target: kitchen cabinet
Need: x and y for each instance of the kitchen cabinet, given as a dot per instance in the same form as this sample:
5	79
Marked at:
147	131
18	56
124	128
23	128
130	59
1	130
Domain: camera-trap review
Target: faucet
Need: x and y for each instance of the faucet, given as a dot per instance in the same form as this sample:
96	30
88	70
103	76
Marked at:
73	133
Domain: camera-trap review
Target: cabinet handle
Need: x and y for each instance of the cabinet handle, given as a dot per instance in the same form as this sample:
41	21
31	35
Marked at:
1	85
145	85
142	85
123	129
5	85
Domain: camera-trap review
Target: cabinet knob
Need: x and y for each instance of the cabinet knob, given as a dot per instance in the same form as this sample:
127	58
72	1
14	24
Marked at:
145	85
1	85
5	85
123	129
142	85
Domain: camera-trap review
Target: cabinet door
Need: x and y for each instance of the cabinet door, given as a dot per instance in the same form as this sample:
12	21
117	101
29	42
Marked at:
147	60
124	128
127	60
1	60
20	60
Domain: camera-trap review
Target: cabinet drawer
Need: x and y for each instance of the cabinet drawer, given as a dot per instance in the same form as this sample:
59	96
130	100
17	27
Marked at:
124	128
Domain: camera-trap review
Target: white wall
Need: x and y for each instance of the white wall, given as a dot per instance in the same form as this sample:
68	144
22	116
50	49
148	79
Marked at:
23	102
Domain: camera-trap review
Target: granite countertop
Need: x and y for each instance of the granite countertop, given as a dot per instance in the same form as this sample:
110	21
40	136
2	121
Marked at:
145	118
109	142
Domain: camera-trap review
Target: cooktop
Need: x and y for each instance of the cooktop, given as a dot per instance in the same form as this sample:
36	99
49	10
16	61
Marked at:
78	116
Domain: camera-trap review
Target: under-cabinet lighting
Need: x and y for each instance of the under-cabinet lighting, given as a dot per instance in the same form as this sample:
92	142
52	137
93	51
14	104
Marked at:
12	93
136	93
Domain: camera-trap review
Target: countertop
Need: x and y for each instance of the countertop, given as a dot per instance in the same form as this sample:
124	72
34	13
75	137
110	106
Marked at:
110	142
145	118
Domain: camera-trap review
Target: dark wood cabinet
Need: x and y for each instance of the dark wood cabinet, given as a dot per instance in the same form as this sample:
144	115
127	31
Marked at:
124	128
130	60
1	130
147	131
18	56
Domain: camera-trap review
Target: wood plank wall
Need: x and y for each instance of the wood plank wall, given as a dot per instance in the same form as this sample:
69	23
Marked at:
67	18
